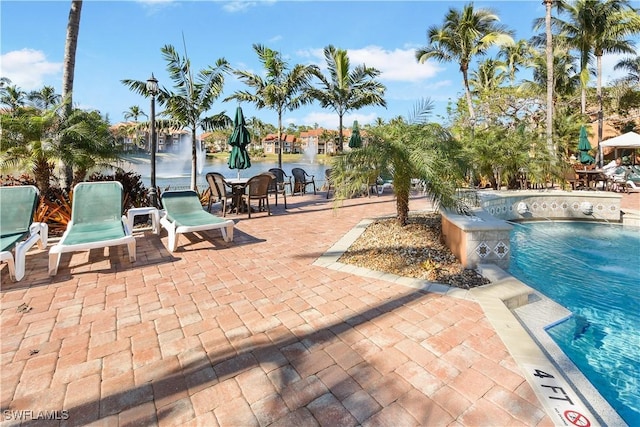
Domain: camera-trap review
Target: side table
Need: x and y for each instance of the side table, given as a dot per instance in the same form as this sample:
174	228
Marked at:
155	217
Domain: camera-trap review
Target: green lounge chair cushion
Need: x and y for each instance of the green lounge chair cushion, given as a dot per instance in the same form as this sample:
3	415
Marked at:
184	208
17	205
7	242
94	232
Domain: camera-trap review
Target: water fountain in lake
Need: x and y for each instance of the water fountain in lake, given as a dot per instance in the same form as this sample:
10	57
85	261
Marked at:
177	164
310	151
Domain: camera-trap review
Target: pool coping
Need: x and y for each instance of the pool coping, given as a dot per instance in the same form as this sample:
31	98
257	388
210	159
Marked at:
520	316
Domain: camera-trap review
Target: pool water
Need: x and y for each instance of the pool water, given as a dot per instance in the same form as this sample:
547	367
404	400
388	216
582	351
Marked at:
592	269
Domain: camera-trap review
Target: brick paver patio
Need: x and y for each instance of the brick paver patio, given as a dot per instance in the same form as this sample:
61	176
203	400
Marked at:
250	333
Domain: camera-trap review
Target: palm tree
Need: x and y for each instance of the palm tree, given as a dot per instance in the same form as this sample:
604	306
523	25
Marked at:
282	89
577	32
29	143
597	27
614	20
514	56
92	143
632	65
565	77
44	98
344	89
489	76
133	113
193	96
549	62
71	43
463	35
403	149
11	95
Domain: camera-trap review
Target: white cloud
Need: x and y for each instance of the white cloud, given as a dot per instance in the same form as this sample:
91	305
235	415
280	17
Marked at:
394	65
27	68
242	5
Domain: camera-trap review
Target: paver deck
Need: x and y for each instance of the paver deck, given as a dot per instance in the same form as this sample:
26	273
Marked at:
250	333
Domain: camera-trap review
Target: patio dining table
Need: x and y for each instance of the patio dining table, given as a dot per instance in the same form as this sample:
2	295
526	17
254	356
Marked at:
591	177
237	188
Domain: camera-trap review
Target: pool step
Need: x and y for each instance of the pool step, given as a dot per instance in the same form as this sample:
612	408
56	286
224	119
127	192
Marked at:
511	291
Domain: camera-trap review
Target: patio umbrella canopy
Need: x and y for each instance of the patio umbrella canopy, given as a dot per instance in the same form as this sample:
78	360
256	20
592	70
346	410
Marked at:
584	146
239	139
355	140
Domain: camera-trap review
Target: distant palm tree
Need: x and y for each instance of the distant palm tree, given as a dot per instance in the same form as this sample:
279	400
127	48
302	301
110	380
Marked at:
464	35
489	76
44	98
345	89
615	20
575	31
133	113
598	27
193	97
281	89
11	95
565	77
632	65
516	55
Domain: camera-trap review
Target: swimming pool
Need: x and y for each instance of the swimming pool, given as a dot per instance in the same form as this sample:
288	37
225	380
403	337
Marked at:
594	271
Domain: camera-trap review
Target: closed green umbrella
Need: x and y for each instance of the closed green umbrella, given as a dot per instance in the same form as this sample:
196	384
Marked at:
355	140
239	139
584	146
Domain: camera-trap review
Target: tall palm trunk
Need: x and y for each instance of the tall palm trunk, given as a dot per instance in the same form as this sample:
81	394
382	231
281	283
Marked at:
549	53
600	107
340	137
71	43
194	155
467	93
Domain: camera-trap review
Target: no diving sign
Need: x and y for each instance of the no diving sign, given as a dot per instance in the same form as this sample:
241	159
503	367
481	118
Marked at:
577	419
561	402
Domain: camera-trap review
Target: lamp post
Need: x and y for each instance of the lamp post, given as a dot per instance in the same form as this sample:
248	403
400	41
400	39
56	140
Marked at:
152	88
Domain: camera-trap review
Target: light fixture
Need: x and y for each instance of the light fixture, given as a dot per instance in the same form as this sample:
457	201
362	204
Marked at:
152	89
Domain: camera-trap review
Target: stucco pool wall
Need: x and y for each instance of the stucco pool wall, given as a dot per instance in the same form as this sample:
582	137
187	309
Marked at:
483	236
551	204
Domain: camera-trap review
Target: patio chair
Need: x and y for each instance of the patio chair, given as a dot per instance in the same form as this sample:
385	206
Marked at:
18	232
218	191
328	182
96	222
183	213
373	184
279	184
301	179
257	188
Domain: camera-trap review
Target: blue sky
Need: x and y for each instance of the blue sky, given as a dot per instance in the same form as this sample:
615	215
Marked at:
122	40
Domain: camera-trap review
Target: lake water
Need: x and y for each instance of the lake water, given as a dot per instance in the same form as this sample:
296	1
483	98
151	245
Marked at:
175	172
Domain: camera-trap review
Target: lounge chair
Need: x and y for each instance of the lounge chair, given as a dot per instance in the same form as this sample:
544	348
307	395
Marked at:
279	184
17	206
218	191
257	188
183	213
301	179
96	222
